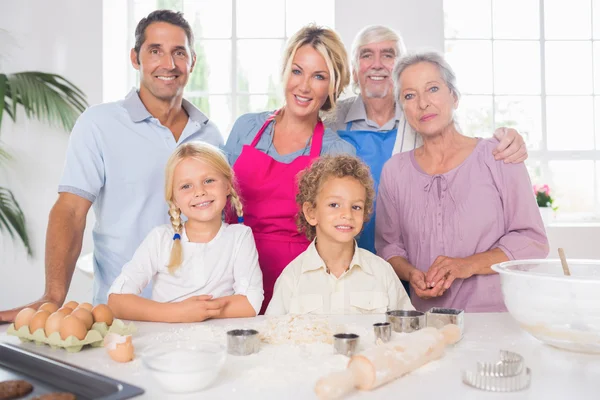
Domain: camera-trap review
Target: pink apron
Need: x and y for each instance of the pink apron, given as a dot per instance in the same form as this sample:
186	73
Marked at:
268	191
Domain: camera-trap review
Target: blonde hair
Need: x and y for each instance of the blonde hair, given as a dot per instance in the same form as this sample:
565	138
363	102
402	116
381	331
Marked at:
311	182
328	43
215	158
373	34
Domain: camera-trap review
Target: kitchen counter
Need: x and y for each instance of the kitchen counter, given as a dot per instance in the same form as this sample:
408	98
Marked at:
290	371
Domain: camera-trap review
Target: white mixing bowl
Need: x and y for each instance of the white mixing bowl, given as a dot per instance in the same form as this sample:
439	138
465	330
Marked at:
563	311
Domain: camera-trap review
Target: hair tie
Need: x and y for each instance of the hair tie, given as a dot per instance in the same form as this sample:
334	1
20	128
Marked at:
177	236
240	220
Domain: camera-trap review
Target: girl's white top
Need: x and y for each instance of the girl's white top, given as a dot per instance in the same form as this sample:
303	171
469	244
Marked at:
225	266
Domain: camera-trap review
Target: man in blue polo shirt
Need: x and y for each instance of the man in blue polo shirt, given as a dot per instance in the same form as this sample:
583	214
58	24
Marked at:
116	159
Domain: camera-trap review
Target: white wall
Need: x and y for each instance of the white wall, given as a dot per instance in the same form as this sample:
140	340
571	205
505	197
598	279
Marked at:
66	37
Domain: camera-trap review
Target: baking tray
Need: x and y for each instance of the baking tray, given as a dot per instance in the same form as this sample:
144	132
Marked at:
48	375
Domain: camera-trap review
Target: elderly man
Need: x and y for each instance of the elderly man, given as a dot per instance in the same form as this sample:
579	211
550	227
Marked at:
375	124
116	159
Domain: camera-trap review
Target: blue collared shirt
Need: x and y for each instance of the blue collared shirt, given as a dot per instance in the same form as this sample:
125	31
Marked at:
247	126
116	158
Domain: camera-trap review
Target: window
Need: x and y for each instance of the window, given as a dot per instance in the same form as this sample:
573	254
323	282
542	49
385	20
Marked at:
239	44
534	65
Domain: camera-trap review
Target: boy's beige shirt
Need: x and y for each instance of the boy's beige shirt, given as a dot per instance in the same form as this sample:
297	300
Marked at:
369	286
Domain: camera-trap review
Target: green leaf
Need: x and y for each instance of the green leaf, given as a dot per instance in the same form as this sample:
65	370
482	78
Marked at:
47	97
3	85
12	219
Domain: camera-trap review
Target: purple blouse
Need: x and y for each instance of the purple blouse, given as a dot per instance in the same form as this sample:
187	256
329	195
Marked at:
478	206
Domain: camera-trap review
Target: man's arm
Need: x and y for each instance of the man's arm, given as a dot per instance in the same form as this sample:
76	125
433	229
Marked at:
64	238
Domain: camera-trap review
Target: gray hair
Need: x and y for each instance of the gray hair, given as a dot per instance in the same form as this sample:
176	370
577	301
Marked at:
374	34
431	57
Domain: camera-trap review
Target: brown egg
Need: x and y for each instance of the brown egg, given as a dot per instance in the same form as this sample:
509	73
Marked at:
85	316
38	321
102	313
72	326
65	311
50	307
87	306
119	347
23	317
53	323
71	304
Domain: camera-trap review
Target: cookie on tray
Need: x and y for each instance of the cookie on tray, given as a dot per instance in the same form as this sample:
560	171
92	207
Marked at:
14	389
56	396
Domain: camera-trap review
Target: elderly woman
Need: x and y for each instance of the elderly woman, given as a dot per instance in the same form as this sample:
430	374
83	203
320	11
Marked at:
267	150
447	211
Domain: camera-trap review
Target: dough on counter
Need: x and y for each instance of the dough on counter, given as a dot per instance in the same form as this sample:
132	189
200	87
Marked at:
56	396
14	389
296	329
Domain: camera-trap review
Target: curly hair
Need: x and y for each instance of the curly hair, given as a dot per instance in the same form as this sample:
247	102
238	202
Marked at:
311	181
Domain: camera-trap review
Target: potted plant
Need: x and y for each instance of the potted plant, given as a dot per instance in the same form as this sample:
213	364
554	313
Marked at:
49	98
545	202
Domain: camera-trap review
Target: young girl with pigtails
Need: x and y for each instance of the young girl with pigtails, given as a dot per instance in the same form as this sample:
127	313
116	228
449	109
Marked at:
201	268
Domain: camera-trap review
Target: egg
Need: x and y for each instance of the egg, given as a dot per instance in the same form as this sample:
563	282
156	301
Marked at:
119	348
102	313
50	307
71	304
65	311
53	323
72	326
23	317
87	306
84	315
38	321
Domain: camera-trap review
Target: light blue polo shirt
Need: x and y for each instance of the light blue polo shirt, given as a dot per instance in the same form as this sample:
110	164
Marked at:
116	158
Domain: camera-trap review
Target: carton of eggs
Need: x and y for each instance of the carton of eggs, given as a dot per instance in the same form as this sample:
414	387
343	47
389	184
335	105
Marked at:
70	327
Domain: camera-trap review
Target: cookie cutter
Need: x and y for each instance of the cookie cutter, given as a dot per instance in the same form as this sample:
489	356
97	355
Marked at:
507	375
439	317
406	320
382	331
345	343
242	342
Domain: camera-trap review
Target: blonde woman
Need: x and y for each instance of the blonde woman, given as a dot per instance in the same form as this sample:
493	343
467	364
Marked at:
201	268
267	150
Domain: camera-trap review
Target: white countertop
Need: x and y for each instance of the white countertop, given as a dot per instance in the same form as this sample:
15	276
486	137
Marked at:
290	372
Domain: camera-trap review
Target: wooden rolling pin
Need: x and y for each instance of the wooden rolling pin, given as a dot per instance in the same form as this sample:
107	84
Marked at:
384	363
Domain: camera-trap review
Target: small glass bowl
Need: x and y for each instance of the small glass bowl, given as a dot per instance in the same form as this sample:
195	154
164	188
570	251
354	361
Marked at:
182	367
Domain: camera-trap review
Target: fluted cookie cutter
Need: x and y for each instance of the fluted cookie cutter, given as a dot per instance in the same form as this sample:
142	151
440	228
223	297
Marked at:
507	375
510	364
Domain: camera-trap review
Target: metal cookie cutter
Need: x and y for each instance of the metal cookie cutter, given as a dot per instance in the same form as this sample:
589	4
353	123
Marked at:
383	331
406	320
242	342
439	317
507	375
345	343
510	364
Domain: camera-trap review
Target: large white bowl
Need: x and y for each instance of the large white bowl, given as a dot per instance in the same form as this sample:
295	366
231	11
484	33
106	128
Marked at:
563	311
182	367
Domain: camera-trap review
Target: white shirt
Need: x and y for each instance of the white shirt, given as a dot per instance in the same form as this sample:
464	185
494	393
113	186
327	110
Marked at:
369	286
226	265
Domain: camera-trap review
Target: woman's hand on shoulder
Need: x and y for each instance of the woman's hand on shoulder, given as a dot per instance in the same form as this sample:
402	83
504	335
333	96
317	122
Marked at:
200	308
512	148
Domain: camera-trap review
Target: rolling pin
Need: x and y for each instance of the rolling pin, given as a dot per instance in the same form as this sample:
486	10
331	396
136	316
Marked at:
384	363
